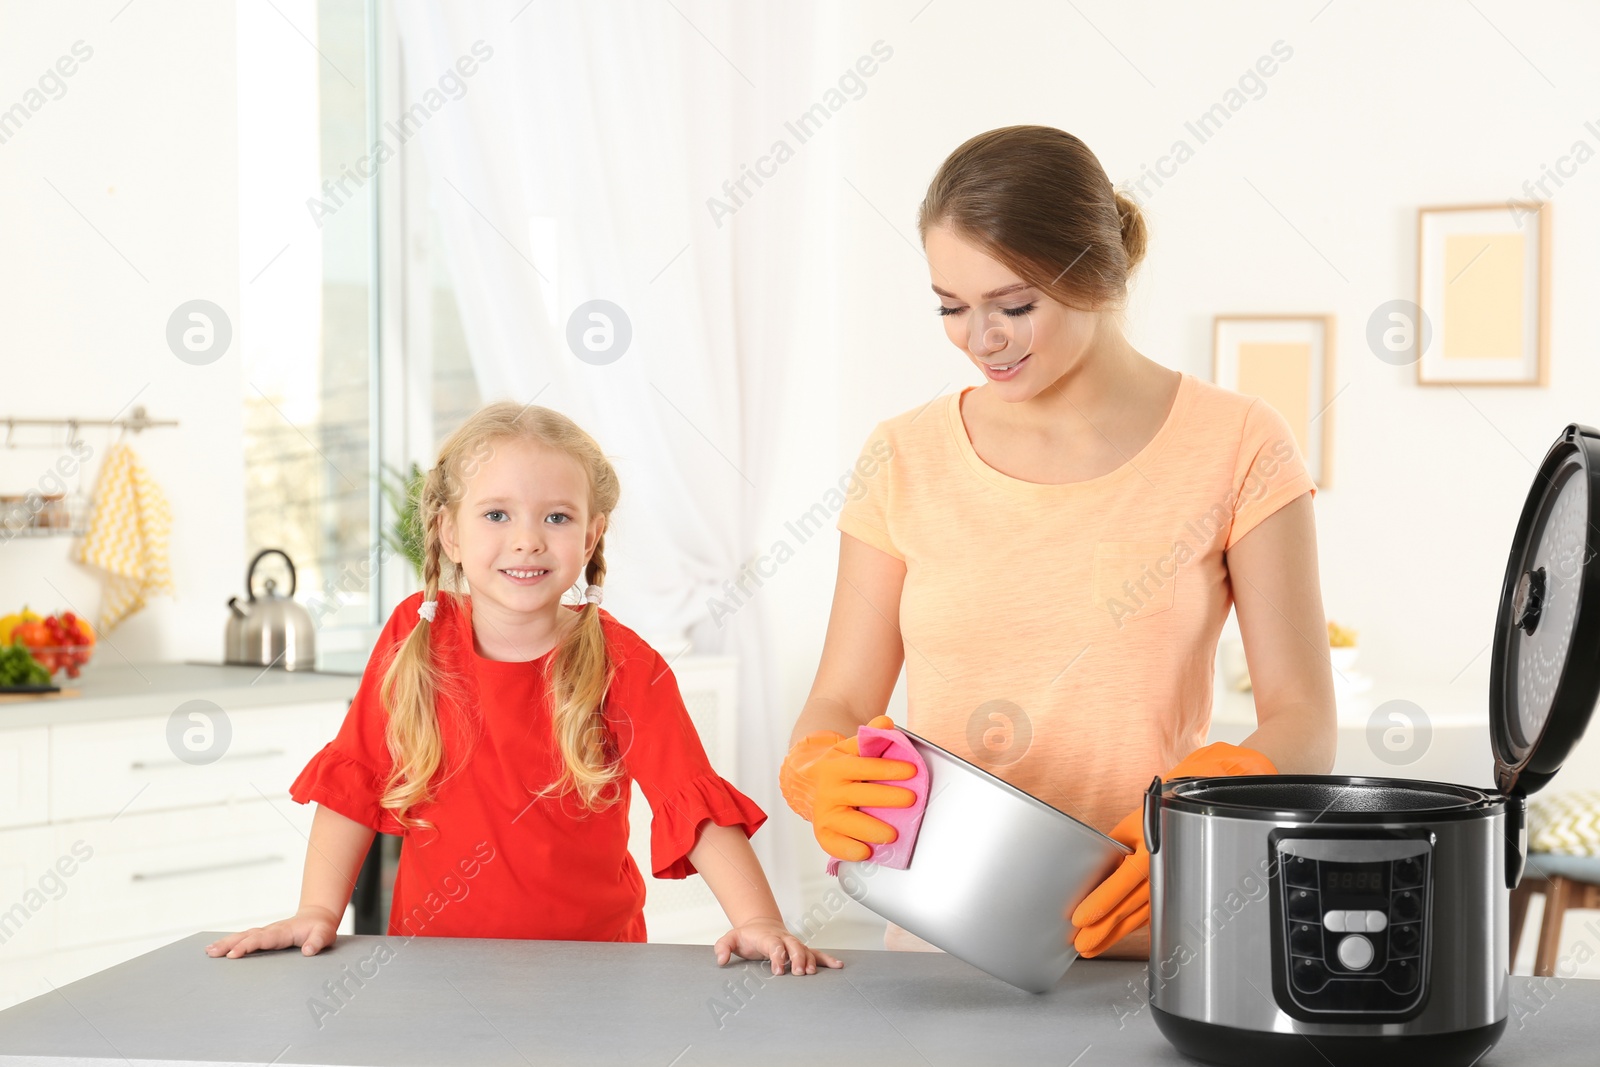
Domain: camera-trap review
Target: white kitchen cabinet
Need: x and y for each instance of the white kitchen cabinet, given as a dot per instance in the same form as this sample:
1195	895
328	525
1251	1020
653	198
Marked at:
99	769
29	889
24	792
113	845
176	872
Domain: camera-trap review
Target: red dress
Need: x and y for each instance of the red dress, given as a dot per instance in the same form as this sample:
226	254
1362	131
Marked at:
497	863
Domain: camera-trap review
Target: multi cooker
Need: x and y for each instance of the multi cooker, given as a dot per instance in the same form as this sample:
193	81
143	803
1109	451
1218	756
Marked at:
1328	919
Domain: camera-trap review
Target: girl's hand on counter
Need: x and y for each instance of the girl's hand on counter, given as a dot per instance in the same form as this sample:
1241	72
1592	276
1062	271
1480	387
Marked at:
312	928
769	939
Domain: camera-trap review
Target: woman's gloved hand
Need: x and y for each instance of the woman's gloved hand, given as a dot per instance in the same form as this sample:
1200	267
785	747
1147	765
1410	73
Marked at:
1121	904
827	782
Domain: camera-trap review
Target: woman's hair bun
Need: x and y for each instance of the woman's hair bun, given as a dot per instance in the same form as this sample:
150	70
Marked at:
1134	235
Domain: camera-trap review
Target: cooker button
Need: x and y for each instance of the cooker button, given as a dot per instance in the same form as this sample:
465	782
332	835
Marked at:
1355	921
1407	906
1299	871
1309	975
1403	940
1305	940
1334	920
1303	906
1408	872
1355	952
1376	921
1401	975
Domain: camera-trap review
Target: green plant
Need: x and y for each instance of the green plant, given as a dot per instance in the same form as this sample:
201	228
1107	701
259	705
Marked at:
403	491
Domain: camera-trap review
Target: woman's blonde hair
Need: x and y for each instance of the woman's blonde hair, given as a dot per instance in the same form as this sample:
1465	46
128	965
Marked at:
580	672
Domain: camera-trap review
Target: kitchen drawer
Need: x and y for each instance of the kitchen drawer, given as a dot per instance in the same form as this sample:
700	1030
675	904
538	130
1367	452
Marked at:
102	768
24	764
182	871
30	890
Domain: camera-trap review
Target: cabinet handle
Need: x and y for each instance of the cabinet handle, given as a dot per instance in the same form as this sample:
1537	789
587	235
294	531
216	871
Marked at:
145	765
183	872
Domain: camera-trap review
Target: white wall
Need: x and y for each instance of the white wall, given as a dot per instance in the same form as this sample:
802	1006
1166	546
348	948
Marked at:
1382	108
121	202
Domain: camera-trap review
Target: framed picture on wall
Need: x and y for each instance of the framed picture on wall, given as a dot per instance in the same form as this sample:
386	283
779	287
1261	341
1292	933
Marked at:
1286	360
1483	284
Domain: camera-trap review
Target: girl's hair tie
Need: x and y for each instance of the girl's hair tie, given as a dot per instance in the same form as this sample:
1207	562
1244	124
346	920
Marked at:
427	609
591	594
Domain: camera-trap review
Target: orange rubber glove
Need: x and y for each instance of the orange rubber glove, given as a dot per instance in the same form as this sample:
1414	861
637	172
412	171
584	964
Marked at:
1121	904
825	781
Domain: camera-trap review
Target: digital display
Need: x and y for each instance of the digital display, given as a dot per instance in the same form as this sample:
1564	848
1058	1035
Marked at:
1354	878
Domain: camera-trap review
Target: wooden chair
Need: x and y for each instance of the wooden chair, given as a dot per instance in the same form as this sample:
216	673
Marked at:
1566	882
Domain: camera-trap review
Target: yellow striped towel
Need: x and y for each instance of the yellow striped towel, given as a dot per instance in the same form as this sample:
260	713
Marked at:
127	537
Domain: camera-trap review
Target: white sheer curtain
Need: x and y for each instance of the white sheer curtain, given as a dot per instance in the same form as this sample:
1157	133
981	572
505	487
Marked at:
577	165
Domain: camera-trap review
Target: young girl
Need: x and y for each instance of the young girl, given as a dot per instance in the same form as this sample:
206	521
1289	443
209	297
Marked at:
498	732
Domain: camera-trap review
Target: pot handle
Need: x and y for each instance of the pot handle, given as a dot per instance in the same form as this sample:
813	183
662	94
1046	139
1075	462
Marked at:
1516	839
1152	816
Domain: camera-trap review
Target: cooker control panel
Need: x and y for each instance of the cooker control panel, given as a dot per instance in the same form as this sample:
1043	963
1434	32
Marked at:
1351	925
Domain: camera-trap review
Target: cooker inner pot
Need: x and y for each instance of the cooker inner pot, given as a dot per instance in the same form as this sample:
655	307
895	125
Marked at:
1338	795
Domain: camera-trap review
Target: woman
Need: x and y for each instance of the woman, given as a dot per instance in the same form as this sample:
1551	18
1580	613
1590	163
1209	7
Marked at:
1052	554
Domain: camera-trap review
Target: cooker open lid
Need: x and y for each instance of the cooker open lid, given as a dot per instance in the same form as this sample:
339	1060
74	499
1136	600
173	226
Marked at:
1545	673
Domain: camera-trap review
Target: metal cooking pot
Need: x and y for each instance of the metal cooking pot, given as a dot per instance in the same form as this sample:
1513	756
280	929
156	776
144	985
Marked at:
993	875
1327	919
270	630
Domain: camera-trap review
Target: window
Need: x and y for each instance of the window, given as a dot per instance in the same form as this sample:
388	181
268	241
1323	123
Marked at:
306	299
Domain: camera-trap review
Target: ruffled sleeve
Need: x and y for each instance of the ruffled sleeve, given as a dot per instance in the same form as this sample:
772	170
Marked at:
664	754
352	789
675	821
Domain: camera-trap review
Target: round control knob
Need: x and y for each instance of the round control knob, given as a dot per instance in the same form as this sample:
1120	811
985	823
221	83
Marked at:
1355	952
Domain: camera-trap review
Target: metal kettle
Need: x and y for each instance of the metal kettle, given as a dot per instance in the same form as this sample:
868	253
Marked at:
270	630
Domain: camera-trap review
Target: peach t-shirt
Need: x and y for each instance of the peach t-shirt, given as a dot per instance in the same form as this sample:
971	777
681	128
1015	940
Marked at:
1063	636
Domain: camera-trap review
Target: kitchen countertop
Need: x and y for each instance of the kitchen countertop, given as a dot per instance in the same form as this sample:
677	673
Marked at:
135	690
442	1001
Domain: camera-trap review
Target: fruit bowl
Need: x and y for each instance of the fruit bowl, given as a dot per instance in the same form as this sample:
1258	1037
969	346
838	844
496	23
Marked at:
56	642
55	658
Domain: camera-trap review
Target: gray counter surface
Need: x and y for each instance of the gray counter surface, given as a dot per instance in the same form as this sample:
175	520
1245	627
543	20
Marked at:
441	1001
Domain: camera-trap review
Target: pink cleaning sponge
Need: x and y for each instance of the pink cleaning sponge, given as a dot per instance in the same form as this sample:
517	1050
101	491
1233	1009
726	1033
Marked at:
892	744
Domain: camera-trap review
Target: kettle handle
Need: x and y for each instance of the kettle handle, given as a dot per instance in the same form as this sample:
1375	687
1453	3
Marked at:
249	575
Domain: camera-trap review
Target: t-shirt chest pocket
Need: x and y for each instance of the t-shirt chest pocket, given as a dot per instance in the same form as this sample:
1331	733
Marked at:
1134	580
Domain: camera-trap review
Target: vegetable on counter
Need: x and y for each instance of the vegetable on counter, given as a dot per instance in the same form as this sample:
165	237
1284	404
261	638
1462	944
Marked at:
18	667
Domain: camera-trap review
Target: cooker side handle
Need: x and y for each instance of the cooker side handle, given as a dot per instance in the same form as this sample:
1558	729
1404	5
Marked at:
1152	816
1516	839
